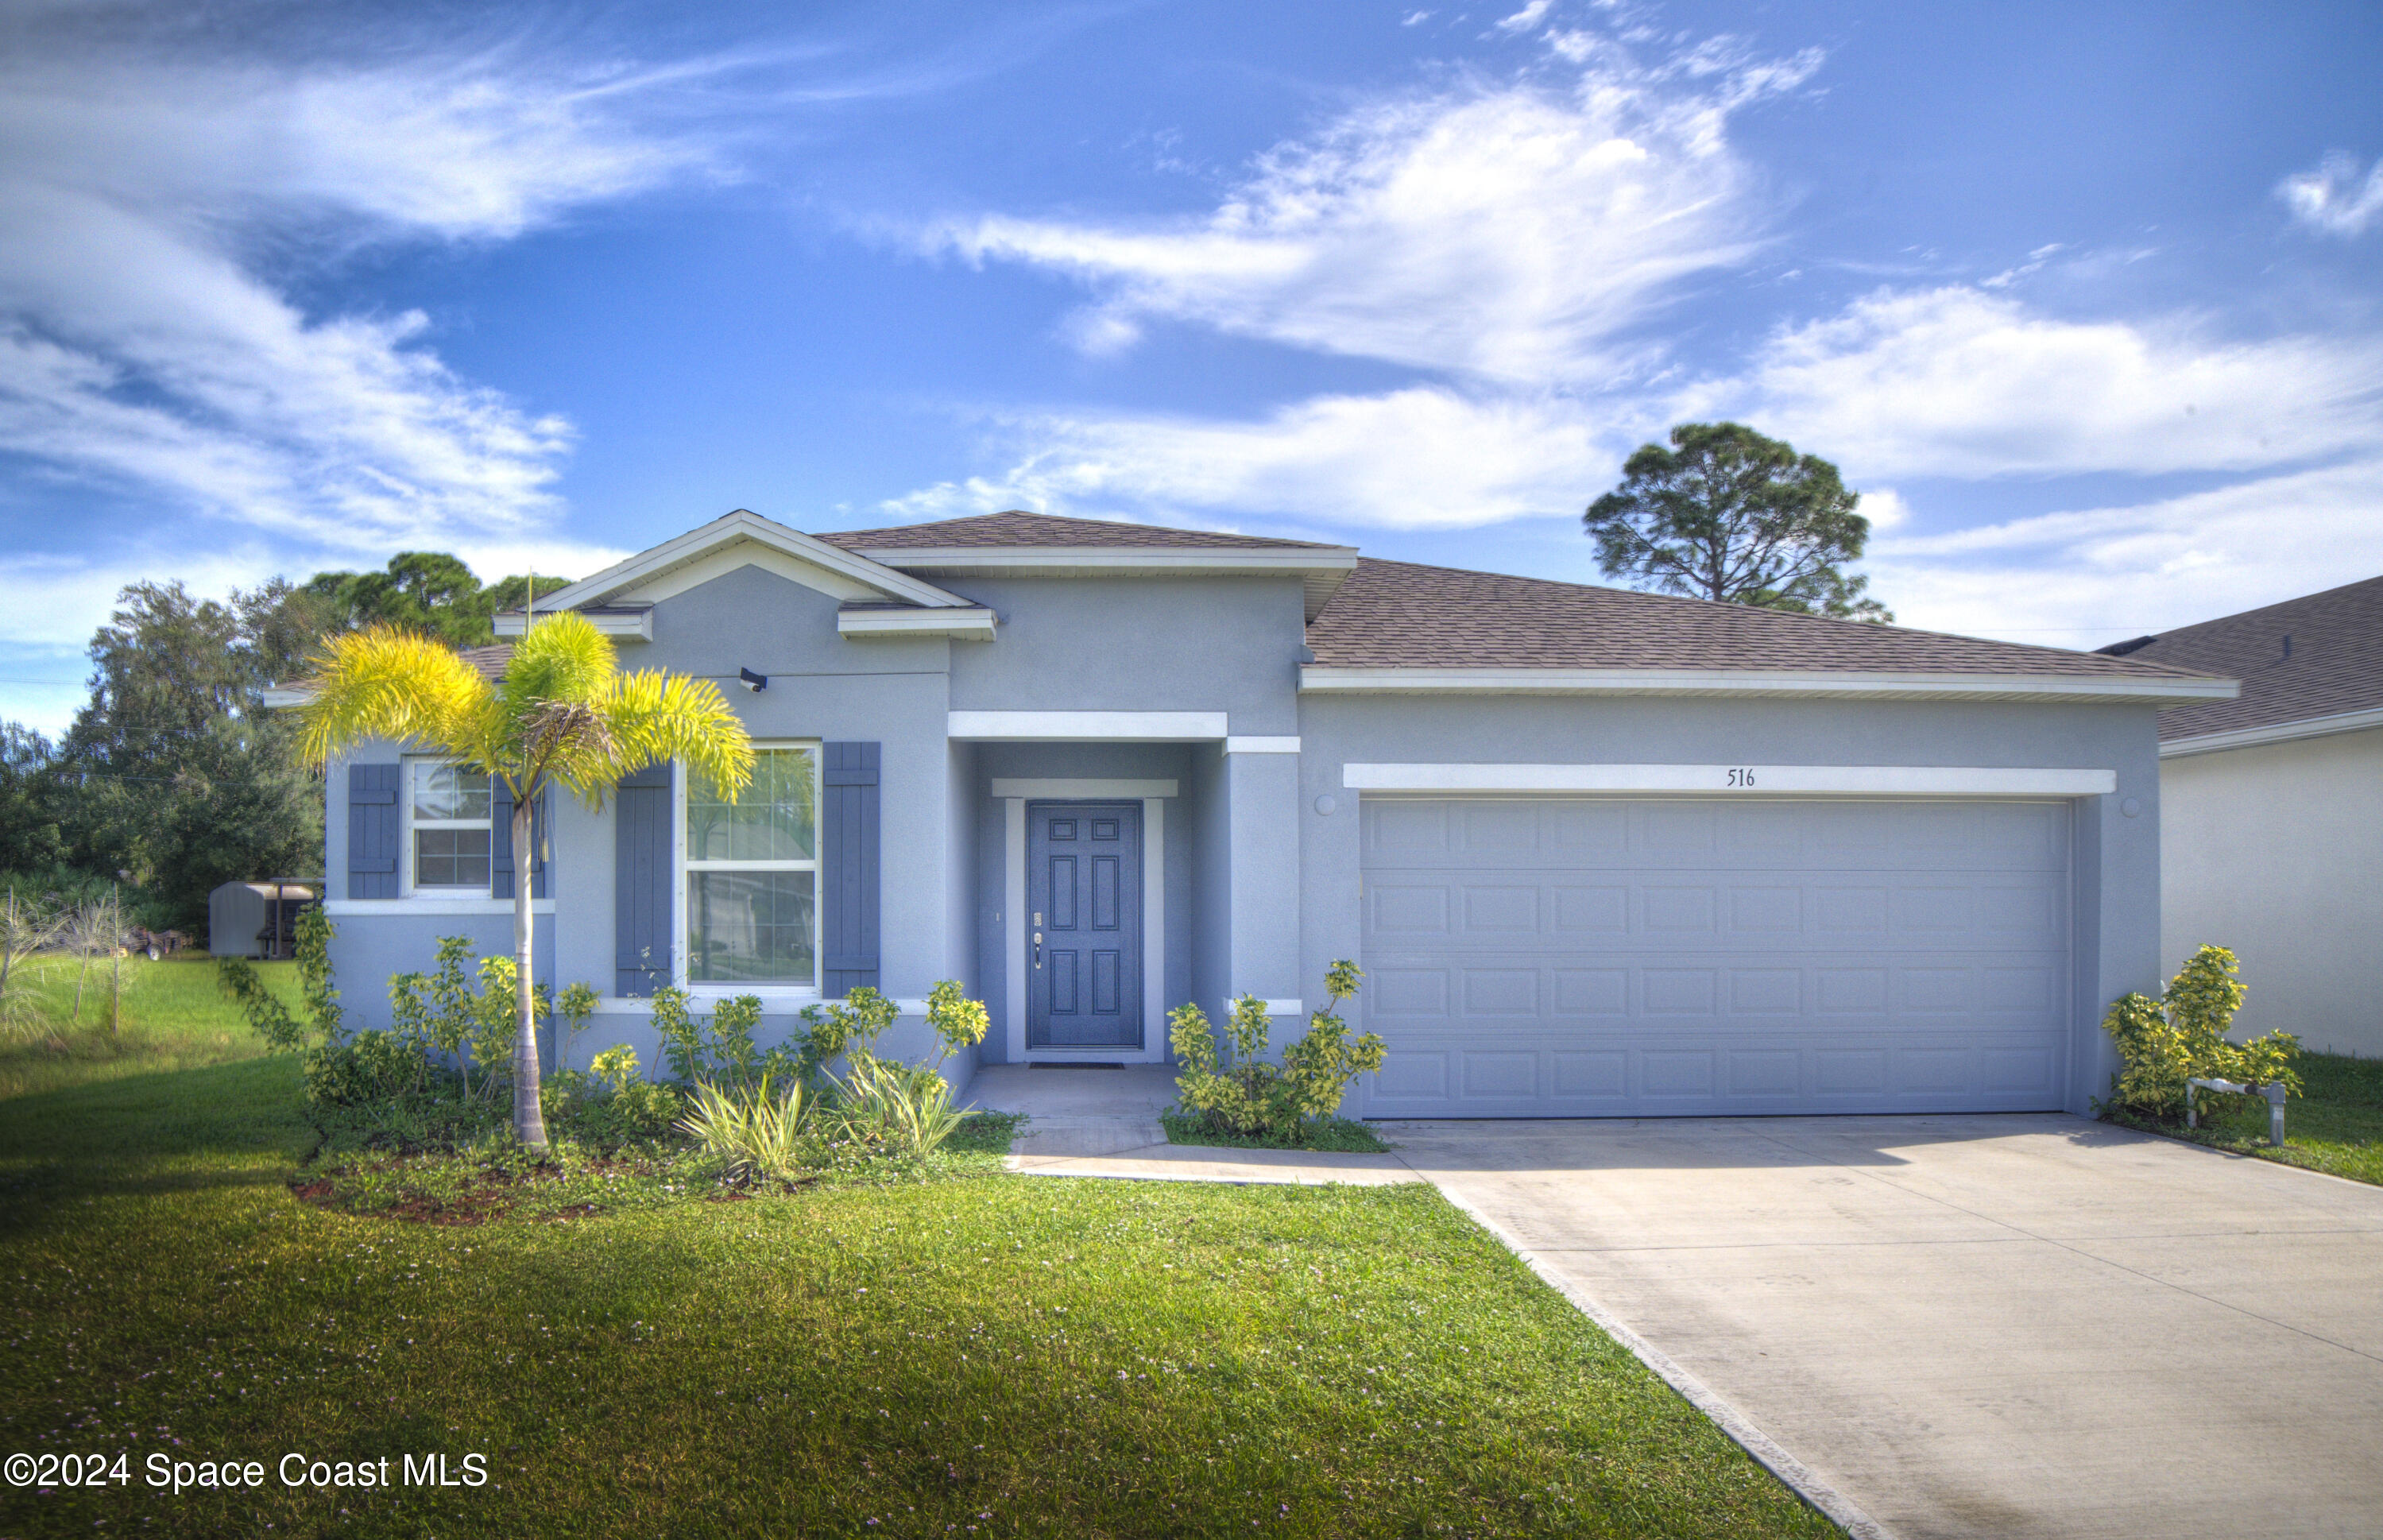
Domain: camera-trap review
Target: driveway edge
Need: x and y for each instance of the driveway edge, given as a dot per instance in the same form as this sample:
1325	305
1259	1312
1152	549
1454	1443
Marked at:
1825	1499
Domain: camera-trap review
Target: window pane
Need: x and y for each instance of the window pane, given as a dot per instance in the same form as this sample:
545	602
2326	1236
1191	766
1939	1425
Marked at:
450	791
749	927
777	819
450	858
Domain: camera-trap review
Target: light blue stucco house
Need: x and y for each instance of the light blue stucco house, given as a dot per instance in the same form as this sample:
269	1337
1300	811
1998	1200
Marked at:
1600	852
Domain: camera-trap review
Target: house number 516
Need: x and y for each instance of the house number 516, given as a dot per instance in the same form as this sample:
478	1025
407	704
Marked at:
1741	778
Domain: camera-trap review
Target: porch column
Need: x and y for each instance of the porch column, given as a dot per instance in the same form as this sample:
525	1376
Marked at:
1261	800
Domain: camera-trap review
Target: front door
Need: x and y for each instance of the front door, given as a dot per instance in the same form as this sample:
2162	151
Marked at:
1083	902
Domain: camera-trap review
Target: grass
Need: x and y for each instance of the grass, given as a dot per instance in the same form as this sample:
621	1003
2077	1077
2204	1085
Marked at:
172	1016
2337	1128
982	1356
1340	1135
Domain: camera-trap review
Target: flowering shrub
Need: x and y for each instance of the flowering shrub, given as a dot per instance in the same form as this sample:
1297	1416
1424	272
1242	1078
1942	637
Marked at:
1253	1097
2181	1036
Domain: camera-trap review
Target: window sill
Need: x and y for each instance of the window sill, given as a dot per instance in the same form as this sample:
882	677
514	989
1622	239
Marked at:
431	903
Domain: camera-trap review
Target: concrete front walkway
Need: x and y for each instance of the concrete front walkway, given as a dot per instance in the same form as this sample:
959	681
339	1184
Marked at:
2001	1326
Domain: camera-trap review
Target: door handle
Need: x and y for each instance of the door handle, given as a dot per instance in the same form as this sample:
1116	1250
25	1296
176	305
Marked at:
1038	949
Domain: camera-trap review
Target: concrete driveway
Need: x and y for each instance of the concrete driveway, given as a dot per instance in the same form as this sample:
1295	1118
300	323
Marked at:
1980	1326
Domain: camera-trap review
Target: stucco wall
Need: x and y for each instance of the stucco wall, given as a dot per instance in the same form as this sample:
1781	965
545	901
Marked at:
2117	862
1229	645
2277	853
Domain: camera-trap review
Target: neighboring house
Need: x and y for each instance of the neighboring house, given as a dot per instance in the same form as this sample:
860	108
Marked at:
2271	825
1598	852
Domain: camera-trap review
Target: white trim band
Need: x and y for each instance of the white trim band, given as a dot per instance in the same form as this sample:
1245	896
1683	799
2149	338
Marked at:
1734	682
2251	737
1089	727
638	624
1261	745
966	625
431	905
1734	780
1084	791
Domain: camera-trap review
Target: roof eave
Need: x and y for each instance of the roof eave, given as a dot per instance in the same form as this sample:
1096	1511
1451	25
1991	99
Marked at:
1778	683
2273	733
745	524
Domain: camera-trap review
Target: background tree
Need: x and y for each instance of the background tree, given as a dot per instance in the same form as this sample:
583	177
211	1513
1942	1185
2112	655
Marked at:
429	593
1725	513
30	840
172	772
563	715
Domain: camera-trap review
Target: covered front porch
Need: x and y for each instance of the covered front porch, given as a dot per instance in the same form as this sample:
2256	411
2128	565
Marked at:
1103	876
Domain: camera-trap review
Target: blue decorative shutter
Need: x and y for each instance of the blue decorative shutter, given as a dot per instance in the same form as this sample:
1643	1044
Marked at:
641	882
371	830
500	840
849	868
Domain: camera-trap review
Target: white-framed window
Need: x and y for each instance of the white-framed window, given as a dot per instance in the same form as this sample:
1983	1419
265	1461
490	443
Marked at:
446	835
748	888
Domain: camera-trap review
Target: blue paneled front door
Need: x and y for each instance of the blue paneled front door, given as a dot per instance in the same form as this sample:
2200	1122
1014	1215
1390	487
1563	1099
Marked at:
1084	903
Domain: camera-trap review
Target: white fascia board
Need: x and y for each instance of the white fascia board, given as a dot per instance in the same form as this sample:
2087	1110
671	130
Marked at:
636	623
1087	727
1261	745
2251	737
1316	679
1734	780
744	525
968	625
1060	789
1099	559
283	697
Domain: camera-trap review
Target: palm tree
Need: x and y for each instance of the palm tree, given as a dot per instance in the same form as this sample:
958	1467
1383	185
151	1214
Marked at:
563	714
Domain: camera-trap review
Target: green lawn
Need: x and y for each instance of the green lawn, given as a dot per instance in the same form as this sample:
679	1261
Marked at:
989	1356
2337	1128
172	1016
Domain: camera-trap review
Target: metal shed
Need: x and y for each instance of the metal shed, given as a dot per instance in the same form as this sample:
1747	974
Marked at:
256	919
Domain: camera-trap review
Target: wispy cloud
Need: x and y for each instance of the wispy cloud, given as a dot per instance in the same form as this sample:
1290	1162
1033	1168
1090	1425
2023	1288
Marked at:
1516	231
2333	198
2087	577
1958	382
146	337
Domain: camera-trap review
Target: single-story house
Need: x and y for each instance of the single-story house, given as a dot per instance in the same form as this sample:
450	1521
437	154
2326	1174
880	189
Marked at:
2271	822
1598	852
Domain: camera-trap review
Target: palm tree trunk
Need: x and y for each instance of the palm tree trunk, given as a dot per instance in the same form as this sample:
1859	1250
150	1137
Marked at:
529	1118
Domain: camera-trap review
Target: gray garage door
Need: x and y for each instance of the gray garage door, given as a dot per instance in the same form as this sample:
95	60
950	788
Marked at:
1585	958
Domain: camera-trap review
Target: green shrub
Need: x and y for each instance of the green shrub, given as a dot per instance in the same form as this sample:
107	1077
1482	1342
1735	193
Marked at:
372	1066
610	1106
1255	1099
891	1109
750	1135
2181	1036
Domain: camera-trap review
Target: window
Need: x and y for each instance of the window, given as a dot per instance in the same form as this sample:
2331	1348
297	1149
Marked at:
450	815
752	875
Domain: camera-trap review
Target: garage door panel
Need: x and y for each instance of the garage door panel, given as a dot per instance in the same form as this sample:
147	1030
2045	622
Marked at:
1565	957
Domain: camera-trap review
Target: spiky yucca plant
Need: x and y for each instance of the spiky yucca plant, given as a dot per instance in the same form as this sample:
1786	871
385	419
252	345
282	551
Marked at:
563	714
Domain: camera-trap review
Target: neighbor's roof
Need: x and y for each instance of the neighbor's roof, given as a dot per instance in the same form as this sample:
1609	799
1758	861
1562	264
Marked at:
1017	528
2334	666
1400	615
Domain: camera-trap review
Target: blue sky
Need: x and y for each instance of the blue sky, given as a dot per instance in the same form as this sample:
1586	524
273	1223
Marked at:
2087	299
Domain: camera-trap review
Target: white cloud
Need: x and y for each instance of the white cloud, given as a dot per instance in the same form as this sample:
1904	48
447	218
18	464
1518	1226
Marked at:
143	345
1956	382
2332	198
2089	576
1424	458
1528	18
1516	231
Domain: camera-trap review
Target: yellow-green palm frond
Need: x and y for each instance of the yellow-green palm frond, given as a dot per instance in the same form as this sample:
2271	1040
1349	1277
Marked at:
383	682
657	717
563	657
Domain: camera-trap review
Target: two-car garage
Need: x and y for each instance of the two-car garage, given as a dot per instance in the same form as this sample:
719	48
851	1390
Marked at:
1648	957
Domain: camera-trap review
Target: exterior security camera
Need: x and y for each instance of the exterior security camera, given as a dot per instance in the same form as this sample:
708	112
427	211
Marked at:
753	681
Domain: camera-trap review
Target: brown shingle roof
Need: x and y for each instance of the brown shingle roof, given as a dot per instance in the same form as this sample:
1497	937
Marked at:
1396	614
1016	528
488	662
2336	664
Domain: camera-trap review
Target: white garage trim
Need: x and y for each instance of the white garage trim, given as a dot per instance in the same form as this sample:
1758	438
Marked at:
1734	780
